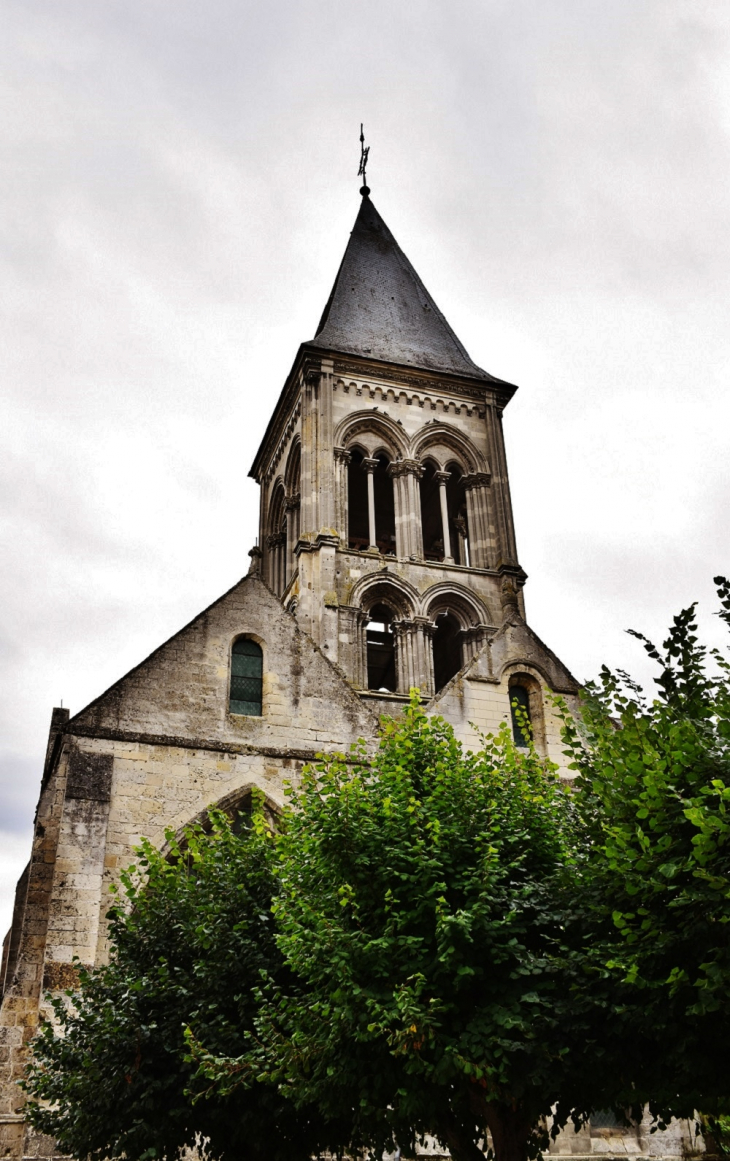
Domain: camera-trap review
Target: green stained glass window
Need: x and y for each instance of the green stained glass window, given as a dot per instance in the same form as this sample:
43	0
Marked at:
247	667
519	700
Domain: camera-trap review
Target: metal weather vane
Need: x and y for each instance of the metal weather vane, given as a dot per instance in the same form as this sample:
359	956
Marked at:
364	153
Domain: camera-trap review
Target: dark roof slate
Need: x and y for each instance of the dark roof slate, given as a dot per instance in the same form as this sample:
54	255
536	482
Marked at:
380	309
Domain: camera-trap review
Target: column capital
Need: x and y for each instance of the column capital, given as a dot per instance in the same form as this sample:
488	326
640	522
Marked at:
426	625
442	477
406	468
476	480
369	464
342	455
478	632
406	625
292	501
275	539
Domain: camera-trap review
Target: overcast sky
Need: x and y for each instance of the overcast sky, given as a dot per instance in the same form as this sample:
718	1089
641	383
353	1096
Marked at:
178	184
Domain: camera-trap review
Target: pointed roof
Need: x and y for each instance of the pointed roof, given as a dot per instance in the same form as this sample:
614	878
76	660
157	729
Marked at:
380	309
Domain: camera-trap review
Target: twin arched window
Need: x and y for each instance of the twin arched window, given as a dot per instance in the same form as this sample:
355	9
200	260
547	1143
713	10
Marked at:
371	508
247	671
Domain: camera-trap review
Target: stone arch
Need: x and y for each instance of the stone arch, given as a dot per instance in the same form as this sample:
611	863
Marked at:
276	537
371	442
292	500
385	434
524	664
459	621
447	596
237	800
386	588
276	505
458	446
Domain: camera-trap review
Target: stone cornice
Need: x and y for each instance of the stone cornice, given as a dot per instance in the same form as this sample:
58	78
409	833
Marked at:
488	390
309	362
104	734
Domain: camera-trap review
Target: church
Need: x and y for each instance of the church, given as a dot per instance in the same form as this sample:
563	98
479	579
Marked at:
386	560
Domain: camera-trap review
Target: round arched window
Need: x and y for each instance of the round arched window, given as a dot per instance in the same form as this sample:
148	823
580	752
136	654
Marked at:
247	669
519	700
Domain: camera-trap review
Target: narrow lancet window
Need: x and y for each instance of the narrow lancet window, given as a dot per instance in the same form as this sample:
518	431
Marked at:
519	700
247	668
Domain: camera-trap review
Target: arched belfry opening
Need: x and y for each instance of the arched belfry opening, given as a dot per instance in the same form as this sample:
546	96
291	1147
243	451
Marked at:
357	502
381	650
384	506
431	522
370	503
447	653
456	508
276	540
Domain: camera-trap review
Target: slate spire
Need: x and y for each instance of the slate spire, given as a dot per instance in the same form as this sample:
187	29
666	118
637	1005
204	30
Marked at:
380	309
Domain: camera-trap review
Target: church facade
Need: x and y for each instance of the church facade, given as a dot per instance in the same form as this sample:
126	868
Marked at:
387	560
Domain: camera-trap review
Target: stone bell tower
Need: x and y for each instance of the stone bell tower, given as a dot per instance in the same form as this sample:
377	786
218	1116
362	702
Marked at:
386	520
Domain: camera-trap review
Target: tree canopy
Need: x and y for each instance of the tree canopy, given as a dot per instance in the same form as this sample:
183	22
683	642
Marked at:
424	899
654	793
190	938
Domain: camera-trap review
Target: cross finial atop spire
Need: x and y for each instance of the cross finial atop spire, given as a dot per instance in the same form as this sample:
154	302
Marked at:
364	151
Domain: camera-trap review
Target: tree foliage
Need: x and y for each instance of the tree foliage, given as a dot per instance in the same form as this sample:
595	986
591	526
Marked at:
190	939
654	793
424	898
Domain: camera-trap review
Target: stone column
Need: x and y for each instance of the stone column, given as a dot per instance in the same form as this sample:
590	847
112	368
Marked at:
342	460
369	466
425	632
464	553
414	471
409	540
481	546
276	544
472	640
403	655
443	478
414	655
325	447
506	549
292	505
354	621
310	445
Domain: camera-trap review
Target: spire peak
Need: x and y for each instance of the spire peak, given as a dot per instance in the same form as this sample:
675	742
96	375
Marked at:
364	154
379	308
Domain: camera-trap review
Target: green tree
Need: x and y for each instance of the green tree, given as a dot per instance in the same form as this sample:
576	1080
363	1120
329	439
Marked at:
424	900
654	792
113	1066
